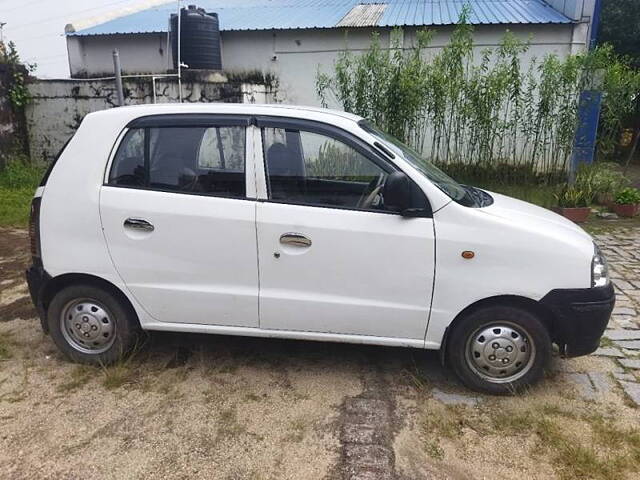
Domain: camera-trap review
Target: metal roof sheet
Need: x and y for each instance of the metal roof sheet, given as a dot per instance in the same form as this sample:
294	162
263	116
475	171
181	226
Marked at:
363	15
301	14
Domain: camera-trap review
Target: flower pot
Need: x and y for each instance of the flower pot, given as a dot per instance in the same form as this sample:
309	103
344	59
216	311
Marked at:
605	199
627	209
575	214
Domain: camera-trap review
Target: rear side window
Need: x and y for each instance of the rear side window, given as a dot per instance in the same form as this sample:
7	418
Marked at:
128	165
205	160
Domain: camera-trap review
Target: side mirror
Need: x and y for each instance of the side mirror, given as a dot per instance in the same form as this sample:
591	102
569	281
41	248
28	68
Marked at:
397	192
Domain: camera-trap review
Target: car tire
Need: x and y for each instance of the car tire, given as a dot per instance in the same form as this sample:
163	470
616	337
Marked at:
91	325
499	349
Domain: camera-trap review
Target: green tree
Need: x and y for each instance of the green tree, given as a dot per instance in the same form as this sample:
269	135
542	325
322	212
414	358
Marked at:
620	26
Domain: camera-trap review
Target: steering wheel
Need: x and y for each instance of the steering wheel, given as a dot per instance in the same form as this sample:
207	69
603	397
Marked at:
371	192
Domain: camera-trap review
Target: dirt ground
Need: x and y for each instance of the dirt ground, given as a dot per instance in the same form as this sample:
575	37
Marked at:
187	406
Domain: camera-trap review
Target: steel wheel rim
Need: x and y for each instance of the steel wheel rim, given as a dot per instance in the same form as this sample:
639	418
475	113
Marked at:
88	326
500	352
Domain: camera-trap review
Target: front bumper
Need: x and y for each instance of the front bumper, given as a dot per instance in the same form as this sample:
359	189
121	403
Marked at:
37	279
581	316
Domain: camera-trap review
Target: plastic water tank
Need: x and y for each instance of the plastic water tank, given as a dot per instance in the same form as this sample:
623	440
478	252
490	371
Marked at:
199	39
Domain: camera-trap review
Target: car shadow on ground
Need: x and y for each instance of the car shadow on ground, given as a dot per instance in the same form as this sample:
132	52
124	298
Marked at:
184	349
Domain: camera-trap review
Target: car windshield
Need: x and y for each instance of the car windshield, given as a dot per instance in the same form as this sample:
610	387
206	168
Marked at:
444	182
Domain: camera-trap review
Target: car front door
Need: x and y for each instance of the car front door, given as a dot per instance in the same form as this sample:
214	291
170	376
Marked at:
332	257
179	218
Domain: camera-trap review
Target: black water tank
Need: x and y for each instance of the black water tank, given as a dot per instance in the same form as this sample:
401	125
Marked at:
199	39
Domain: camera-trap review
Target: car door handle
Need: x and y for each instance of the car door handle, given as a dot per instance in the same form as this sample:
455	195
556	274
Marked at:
138	224
296	239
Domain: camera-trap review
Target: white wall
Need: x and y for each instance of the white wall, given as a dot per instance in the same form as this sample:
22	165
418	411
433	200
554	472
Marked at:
295	56
58	106
140	53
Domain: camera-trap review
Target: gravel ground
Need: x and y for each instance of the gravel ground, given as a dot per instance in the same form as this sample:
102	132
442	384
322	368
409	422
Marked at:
187	406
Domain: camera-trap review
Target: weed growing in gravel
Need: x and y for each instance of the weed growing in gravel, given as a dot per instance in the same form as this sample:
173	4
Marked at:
602	450
434	450
5	342
120	373
228	424
297	427
79	376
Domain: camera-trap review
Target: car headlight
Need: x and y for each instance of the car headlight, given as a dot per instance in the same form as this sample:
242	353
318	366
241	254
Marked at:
599	269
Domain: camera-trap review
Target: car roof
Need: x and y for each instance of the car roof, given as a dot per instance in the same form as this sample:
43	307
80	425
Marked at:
293	111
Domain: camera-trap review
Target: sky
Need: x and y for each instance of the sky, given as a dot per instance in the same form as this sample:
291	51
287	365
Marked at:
37	27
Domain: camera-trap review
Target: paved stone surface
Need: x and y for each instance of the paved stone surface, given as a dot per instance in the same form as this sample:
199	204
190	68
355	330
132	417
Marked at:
609	352
602	382
621	246
622	334
633	363
628	344
454	398
633	390
628	377
366	434
582	384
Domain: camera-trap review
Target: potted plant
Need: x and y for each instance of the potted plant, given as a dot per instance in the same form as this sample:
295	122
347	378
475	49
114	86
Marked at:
573	203
627	202
606	179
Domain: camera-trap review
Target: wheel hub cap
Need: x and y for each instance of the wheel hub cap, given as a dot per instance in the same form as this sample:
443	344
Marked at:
87	326
500	353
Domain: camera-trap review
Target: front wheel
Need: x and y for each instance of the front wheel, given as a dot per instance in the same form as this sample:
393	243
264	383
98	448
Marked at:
90	325
499	350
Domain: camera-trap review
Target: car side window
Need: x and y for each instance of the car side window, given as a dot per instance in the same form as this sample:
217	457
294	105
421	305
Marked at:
222	148
204	160
315	169
128	164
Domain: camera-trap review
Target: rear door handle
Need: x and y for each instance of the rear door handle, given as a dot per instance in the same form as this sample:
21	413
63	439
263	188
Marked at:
296	239
138	224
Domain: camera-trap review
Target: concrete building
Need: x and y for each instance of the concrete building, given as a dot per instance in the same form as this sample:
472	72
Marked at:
293	39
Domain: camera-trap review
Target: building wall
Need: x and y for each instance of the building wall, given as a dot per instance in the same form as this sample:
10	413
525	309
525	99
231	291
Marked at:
93	55
58	106
295	56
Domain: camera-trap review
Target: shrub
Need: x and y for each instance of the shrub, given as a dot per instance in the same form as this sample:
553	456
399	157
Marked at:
628	196
573	197
479	113
607	179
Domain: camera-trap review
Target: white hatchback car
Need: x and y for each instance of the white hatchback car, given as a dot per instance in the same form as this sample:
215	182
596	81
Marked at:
301	223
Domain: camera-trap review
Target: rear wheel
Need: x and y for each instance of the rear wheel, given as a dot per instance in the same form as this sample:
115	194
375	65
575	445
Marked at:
90	325
499	350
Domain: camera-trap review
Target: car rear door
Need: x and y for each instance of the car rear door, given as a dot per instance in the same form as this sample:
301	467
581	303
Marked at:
178	214
332	258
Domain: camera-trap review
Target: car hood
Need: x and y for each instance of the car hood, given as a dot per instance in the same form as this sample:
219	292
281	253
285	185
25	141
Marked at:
534	217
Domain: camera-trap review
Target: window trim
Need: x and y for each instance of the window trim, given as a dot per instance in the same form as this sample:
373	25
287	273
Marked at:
339	134
185	121
190	120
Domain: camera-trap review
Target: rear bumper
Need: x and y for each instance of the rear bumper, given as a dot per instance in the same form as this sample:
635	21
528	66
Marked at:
581	316
37	279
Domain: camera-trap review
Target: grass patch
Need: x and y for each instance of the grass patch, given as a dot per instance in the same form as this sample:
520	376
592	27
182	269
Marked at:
542	195
297	430
5	344
228	424
79	376
577	441
120	373
18	182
